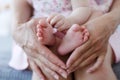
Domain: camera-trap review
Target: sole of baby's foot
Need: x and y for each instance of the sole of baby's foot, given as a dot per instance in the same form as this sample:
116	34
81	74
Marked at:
45	33
74	38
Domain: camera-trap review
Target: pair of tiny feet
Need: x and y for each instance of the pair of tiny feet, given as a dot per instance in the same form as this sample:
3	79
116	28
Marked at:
74	37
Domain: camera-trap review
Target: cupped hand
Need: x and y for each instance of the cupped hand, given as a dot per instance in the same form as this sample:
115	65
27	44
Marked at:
95	48
40	54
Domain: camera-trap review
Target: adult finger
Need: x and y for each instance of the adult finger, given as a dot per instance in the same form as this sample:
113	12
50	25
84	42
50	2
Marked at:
64	27
53	67
52	73
30	52
56	19
51	17
84	56
87	52
46	69
37	70
89	60
52	57
45	52
77	53
59	23
91	53
96	65
86	62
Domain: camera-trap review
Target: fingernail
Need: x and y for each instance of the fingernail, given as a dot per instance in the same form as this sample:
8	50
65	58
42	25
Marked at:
42	79
68	65
37	26
54	30
39	21
63	67
89	71
64	75
56	77
68	71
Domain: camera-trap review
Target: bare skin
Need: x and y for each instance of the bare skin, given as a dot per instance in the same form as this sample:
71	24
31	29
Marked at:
61	23
103	28
79	36
30	49
74	38
45	33
101	73
39	55
88	61
84	71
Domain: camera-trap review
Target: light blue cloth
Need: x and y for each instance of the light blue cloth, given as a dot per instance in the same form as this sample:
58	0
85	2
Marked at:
7	73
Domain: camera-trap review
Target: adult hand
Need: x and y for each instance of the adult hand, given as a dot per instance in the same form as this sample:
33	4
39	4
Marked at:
95	48
59	21
39	54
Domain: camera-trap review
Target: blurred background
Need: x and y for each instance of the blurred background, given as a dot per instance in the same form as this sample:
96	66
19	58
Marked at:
6	72
5	31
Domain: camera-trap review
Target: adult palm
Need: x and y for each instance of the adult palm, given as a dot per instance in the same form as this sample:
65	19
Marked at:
95	48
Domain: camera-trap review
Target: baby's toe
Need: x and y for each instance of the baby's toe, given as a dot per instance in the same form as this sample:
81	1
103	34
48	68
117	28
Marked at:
85	38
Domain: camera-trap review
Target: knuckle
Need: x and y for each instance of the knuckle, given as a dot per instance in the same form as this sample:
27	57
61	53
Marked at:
53	73
82	58
43	52
41	66
73	67
77	50
47	70
46	55
54	67
72	59
60	70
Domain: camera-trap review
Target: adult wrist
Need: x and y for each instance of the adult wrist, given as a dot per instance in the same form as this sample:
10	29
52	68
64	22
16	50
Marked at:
20	34
116	16
114	20
111	20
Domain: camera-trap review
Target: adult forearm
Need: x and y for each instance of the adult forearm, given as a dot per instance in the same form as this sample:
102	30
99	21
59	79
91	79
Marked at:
22	12
25	33
111	19
114	14
115	19
19	34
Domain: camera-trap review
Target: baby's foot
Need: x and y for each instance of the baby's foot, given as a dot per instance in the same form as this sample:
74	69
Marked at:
45	33
74	38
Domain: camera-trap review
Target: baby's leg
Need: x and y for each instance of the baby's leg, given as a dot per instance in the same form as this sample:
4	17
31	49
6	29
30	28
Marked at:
105	72
45	33
101	5
74	38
